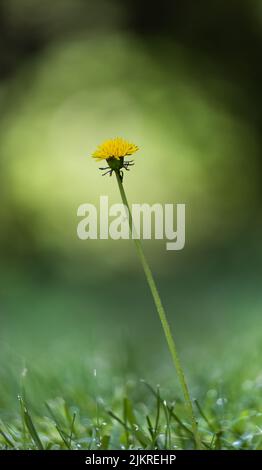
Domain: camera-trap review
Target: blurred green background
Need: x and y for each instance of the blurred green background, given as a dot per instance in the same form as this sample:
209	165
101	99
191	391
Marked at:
180	79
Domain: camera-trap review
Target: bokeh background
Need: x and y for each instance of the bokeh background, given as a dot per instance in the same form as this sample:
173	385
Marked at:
180	79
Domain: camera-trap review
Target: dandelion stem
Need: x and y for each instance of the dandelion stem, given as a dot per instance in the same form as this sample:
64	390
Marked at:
163	318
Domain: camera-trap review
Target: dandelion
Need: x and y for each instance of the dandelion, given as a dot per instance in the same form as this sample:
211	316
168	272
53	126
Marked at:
114	148
114	152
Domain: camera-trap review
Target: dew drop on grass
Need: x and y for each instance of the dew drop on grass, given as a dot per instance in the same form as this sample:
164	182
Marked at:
24	372
237	444
247	436
221	401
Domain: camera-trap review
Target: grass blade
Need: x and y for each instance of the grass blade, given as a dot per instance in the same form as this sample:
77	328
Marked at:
31	427
60	431
8	441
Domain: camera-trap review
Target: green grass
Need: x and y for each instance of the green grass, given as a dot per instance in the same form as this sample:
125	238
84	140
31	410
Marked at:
87	376
68	405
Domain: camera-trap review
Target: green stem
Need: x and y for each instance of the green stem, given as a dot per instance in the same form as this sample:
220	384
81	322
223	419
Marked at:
163	318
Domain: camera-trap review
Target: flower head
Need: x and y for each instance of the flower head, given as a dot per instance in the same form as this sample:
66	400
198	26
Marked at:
114	148
114	151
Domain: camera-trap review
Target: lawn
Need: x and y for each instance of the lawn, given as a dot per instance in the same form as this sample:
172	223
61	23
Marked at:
99	387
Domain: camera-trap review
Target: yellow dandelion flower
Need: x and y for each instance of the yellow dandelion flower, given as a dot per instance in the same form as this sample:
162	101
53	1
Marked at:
114	151
114	148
